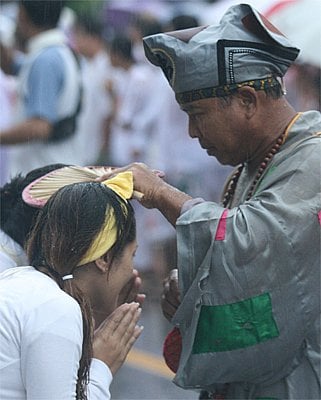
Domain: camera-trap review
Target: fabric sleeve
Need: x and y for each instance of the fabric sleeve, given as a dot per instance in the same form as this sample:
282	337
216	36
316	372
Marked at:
99	381
44	86
51	349
191	203
247	278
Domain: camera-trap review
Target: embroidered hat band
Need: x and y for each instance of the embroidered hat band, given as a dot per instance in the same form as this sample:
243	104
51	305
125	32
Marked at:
226	90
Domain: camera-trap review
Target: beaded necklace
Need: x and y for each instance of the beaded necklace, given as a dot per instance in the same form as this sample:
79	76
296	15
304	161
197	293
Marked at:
229	193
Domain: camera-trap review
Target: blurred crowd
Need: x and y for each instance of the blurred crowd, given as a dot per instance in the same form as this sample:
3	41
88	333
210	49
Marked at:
128	111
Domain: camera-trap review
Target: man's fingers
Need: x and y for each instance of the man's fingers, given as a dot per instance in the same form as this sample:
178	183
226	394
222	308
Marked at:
173	274
113	171
168	309
170	299
171	294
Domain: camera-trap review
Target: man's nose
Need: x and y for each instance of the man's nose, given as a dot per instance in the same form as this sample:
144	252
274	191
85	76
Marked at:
192	129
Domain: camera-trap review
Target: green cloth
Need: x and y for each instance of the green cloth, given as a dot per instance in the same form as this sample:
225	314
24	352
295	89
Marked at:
234	326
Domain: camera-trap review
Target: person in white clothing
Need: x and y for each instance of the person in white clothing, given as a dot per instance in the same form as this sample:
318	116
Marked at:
63	335
90	44
130	90
131	129
49	91
7	105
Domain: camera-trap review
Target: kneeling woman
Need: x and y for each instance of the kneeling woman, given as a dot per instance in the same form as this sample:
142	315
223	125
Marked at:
81	251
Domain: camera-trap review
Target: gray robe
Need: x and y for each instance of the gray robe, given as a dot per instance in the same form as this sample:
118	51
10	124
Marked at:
250	281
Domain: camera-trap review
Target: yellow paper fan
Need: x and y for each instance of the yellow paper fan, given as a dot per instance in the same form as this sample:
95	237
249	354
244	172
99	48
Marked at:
38	192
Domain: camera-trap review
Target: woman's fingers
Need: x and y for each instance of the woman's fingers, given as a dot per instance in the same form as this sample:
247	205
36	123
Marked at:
130	292
116	335
120	318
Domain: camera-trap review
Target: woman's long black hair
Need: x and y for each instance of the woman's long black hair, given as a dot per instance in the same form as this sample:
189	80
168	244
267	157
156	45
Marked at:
64	231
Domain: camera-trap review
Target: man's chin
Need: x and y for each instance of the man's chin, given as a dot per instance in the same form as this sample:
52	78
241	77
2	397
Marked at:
222	160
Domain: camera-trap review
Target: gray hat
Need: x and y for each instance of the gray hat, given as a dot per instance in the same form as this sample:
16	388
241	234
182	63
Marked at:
213	61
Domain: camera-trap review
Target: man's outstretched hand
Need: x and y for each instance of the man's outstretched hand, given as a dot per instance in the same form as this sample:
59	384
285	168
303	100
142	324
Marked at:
170	296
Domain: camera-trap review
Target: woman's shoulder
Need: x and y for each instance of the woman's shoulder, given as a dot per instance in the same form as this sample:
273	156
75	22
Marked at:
27	290
34	305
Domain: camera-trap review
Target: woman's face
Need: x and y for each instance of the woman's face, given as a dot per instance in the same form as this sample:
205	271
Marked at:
121	269
106	289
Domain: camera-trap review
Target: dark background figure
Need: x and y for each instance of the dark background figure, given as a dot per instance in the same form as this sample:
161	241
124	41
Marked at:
17	218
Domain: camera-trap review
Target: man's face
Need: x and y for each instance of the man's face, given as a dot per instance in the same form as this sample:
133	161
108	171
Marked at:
218	126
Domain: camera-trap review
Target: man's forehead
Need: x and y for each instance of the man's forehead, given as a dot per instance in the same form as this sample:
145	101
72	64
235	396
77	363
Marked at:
197	105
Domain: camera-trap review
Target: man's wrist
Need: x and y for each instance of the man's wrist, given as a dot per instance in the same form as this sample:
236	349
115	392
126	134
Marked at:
170	201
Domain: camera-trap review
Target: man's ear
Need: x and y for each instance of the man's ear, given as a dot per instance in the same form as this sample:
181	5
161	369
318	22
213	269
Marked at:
248	99
102	263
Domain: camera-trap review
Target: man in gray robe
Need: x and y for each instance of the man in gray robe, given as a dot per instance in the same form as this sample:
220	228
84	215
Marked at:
249	268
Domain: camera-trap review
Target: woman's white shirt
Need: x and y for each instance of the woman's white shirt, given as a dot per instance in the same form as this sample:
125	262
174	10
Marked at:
41	340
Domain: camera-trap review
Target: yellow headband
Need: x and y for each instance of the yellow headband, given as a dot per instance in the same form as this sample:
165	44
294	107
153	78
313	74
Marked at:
122	184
